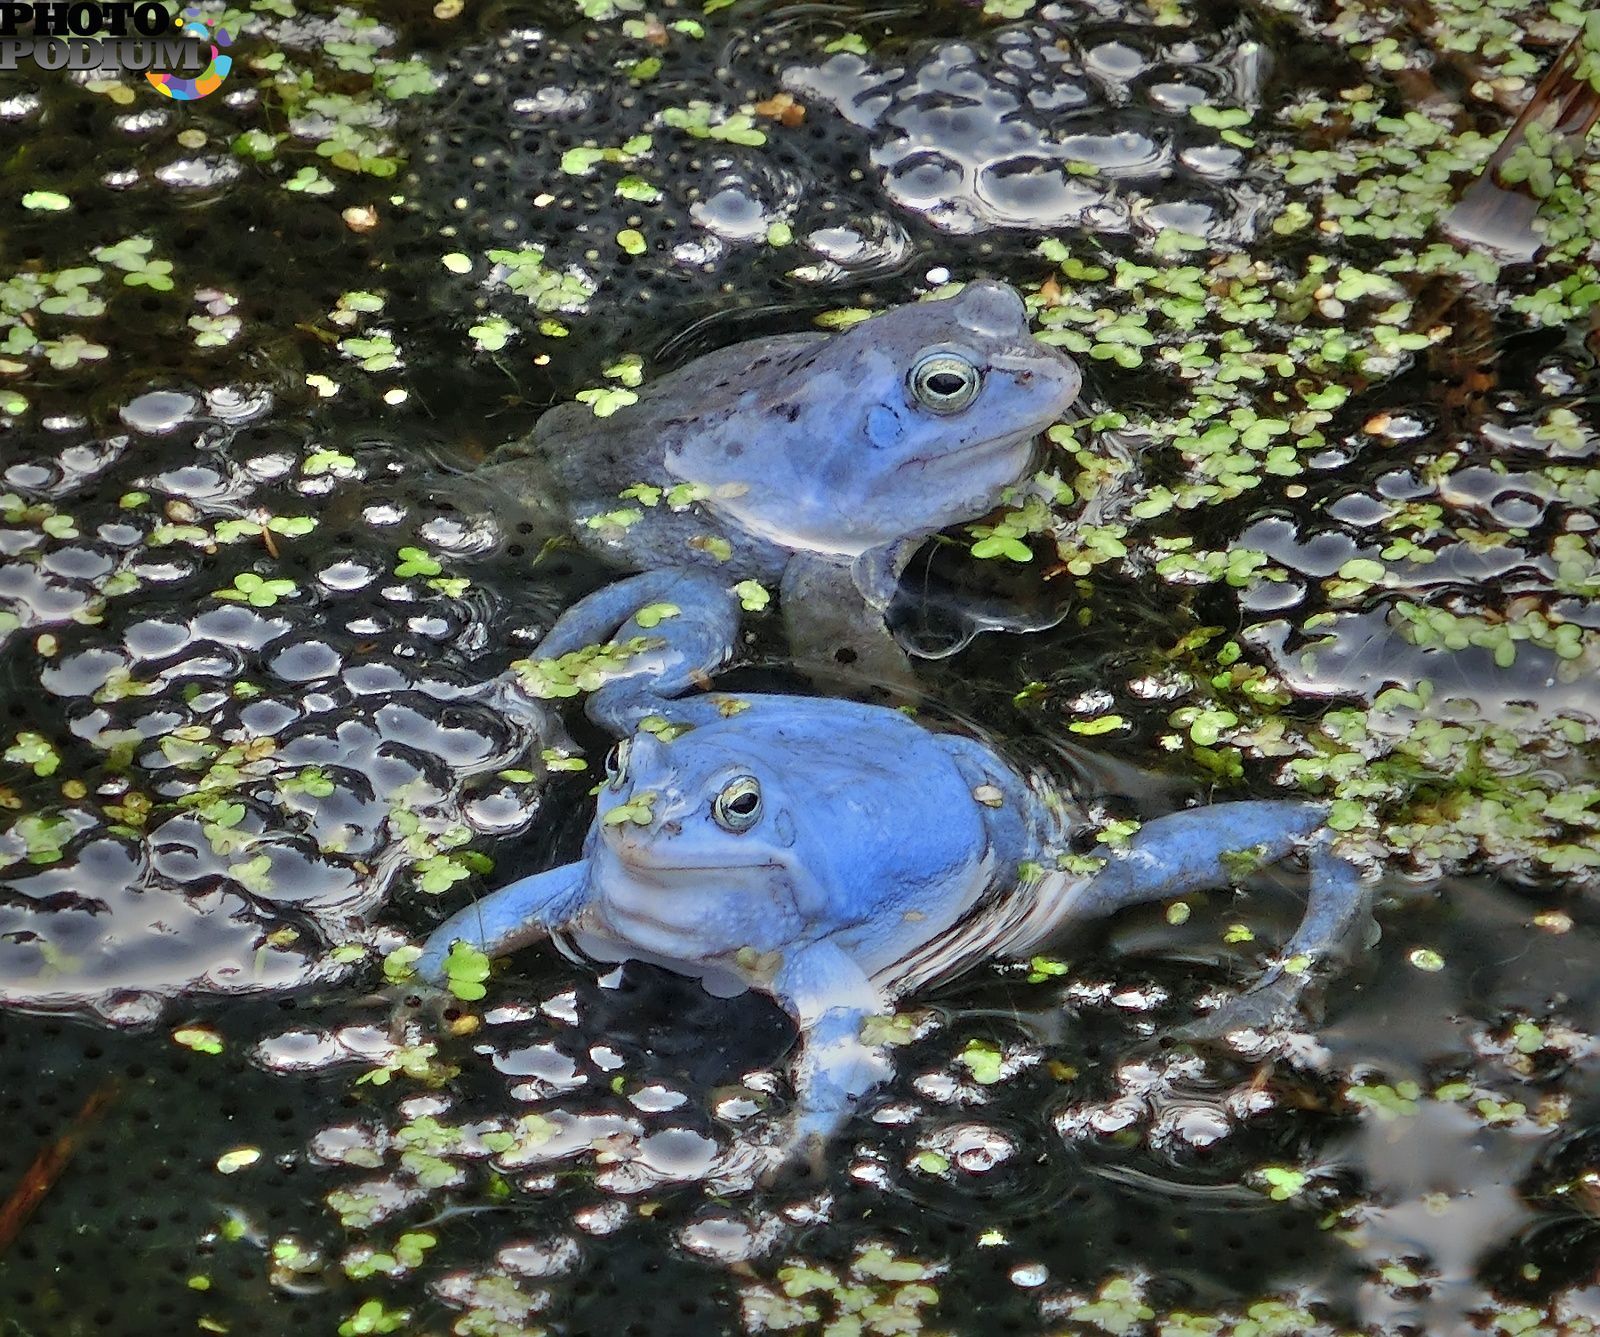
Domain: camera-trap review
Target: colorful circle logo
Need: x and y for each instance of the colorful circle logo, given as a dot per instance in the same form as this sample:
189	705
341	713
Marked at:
210	79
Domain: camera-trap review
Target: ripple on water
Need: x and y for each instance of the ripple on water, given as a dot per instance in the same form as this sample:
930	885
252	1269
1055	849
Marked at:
728	1237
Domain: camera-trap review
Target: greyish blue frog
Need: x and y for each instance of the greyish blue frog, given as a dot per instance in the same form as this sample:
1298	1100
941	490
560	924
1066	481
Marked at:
812	462
838	856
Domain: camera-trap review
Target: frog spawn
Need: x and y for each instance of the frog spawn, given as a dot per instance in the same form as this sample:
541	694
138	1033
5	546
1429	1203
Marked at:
1068	120
333	791
655	1121
35	1102
1454	546
547	1099
292	770
1065	122
1171	1109
1503	536
704	210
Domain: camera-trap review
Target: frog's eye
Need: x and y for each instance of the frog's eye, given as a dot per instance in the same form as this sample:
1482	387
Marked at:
944	382
617	764
738	806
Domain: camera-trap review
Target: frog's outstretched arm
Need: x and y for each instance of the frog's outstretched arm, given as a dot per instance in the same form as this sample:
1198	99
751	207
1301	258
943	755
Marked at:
509	918
876	572
694	618
827	993
700	597
1191	851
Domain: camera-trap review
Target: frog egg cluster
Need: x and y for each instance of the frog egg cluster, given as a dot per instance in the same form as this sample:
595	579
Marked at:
849	168
495	167
1173	1106
259	759
1502	536
1063	123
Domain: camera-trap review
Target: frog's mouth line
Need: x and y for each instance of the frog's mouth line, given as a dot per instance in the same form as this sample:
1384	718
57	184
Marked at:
644	908
646	865
961	455
635	859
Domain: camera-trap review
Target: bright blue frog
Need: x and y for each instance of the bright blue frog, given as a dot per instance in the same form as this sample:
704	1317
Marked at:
811	462
839	855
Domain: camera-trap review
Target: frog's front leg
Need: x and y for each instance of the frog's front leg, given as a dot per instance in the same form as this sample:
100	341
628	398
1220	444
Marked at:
688	620
831	621
509	918
831	998
1200	849
876	572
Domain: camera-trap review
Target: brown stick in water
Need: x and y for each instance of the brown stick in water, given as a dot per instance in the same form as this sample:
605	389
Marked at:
48	1166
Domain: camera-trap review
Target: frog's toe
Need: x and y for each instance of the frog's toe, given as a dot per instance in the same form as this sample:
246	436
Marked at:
415	1002
801	1154
1261	1018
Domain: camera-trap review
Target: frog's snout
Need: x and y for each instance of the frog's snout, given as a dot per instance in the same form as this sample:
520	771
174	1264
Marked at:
1057	370
628	838
641	845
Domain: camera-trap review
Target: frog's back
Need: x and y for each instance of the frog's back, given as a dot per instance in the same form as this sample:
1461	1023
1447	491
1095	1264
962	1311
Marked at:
830	446
591	459
580	464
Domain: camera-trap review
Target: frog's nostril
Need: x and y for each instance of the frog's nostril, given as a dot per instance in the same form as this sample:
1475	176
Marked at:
671	828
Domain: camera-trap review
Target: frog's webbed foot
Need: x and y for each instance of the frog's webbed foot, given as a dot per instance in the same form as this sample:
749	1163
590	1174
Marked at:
507	919
1199	849
1337	923
832	622
1251	1021
686	620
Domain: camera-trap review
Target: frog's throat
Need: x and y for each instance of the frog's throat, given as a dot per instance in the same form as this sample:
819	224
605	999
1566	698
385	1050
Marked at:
647	925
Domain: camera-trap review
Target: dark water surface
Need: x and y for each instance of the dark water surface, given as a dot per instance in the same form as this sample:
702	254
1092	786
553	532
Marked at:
1327	526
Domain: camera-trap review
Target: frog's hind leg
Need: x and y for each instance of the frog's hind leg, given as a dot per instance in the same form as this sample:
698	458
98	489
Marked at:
684	622
507	919
1202	848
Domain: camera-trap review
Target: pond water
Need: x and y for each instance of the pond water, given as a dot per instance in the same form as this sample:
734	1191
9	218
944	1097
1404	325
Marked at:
1326	525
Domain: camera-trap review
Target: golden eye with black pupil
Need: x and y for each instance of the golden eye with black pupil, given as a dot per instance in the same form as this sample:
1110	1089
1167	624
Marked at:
617	764
738	806
944	382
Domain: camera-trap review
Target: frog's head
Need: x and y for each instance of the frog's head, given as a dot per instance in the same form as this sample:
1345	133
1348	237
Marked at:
781	826
905	423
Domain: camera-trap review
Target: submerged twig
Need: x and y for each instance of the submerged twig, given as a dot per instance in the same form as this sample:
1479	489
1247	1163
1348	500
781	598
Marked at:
48	1166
